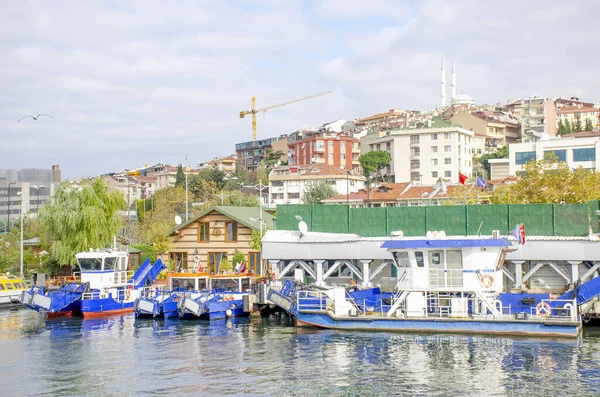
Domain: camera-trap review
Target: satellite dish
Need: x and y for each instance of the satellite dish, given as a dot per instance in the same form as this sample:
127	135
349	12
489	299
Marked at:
303	227
178	219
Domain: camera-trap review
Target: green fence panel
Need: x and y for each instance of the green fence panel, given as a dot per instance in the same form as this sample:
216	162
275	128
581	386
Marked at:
368	222
538	218
571	220
410	220
330	218
449	218
286	216
488	218
594	219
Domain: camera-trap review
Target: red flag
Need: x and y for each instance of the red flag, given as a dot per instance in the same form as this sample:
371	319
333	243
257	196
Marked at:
462	178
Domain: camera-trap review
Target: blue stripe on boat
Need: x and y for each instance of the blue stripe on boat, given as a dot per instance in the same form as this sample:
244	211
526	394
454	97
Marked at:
446	243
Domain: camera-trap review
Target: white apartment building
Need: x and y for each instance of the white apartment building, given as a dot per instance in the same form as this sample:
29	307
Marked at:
576	152
287	184
425	154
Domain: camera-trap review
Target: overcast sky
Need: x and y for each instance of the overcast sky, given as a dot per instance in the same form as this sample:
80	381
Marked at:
139	82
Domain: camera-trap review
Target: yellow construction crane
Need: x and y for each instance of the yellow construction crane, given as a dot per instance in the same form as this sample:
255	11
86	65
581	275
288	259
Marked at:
253	110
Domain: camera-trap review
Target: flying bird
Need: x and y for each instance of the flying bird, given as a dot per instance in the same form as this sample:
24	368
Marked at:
36	117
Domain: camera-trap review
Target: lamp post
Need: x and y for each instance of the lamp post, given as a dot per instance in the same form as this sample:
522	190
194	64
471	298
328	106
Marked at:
21	268
8	212
222	197
260	187
37	209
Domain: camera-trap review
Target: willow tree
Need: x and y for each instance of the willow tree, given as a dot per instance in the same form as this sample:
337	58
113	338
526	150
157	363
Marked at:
80	217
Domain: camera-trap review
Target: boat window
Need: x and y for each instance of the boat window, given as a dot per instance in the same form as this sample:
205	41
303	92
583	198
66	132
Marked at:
110	263
402	259
245	284
419	258
1	287
18	285
201	283
9	286
436	258
182	283
90	264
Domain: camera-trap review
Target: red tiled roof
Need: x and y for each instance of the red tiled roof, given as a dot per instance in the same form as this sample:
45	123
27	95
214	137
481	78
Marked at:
577	109
586	134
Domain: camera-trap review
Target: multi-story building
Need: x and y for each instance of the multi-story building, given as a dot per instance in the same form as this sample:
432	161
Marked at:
25	191
337	149
579	150
166	175
225	164
250	154
537	115
430	150
578	114
494	128
287	184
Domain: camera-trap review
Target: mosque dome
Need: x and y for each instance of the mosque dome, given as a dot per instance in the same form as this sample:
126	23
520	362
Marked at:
463	99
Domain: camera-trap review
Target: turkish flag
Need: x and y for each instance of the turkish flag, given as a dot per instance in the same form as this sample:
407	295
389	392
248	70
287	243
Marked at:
462	178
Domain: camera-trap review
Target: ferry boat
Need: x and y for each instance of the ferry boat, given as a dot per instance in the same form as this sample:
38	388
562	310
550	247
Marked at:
11	288
107	287
446	285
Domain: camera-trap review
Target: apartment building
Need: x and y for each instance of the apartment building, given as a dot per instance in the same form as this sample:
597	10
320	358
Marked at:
537	115
576	150
250	154
424	152
225	164
337	149
493	128
287	184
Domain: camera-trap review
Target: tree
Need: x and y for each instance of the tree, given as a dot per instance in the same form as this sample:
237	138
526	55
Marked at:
588	125
500	153
256	241
549	181
318	190
81	217
180	177
568	128
561	127
577	127
273	157
374	161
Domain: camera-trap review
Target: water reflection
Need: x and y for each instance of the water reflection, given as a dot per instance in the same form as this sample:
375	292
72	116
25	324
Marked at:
125	356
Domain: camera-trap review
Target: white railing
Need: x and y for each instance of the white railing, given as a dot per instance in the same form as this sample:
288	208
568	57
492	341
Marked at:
565	309
441	278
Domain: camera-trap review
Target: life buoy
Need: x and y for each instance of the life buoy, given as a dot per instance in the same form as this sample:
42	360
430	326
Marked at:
543	309
487	280
127	294
232	306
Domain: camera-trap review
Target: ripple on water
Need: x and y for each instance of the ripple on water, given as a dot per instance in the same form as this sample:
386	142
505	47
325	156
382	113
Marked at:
125	357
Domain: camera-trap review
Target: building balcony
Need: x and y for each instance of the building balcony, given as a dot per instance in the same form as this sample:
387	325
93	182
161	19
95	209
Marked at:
355	162
355	149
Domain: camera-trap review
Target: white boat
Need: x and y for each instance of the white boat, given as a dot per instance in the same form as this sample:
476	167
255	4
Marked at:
11	288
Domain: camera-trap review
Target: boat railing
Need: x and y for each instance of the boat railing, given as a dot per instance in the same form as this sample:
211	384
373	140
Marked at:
314	300
445	278
565	309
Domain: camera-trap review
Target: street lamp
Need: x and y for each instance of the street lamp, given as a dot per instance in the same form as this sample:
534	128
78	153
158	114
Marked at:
37	209
8	212
21	268
260	187
222	197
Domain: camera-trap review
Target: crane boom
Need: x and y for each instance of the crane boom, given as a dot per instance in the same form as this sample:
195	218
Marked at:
253	109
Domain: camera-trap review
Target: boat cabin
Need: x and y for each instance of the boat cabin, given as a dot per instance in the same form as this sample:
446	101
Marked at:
103	269
232	282
188	281
11	283
451	264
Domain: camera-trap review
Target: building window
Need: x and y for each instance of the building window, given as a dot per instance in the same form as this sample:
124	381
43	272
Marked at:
448	174
434	149
277	183
330	158
343	156
415	139
277	196
388	169
378	147
330	145
320	144
343	147
253	262
434	174
434	161
587	154
479	151
447	135
447	160
415	151
434	137
293	196
415	164
415	176
524	157
560	154
447	148
203	232
179	261
214	261
231	228
388	146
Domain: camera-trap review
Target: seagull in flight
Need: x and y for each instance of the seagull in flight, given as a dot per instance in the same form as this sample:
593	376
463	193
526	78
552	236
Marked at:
36	117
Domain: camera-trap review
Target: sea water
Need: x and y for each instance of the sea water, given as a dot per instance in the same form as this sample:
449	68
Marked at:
125	356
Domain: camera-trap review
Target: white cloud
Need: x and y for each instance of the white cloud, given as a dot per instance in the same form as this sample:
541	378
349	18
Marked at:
143	82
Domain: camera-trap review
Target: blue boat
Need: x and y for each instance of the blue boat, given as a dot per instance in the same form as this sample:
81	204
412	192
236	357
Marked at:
107	287
446	285
156	303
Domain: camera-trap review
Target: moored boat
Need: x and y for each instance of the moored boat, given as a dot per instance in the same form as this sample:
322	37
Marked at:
107	287
11	288
446	285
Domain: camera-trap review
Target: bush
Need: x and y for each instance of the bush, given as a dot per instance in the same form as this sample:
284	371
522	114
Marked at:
238	257
225	265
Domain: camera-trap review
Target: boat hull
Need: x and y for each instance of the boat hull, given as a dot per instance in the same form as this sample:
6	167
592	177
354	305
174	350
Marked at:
102	307
539	328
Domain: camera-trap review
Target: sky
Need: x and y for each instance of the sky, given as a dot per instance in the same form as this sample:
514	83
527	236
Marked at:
131	83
